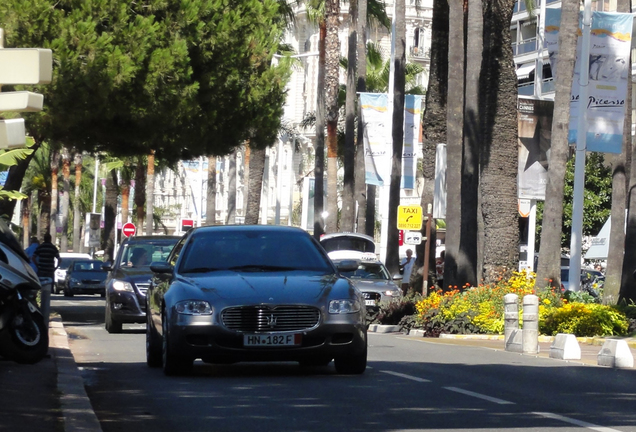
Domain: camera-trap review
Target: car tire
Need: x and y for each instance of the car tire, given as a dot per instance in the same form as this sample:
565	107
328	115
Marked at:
153	347
112	325
68	293
352	364
172	363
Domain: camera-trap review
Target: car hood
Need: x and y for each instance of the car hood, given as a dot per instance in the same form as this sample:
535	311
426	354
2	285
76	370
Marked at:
256	288
93	275
374	285
132	274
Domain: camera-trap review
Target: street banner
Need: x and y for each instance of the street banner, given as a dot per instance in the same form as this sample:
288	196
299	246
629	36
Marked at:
377	145
412	122
195	171
377	154
535	131
610	43
439	197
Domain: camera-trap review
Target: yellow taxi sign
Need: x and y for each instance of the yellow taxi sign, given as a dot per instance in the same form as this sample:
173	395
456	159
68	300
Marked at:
409	217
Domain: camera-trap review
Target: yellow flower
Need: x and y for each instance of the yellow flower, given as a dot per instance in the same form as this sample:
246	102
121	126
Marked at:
546	301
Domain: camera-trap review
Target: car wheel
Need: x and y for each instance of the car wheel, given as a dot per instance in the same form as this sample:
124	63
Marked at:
153	348
352	364
112	326
68	293
172	363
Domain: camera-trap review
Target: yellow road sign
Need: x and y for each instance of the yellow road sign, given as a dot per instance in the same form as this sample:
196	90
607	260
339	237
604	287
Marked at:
409	217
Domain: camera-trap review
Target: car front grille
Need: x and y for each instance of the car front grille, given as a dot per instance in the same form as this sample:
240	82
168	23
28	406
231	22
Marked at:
372	295
264	318
143	288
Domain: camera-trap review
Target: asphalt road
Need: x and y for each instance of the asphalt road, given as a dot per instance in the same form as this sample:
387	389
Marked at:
411	385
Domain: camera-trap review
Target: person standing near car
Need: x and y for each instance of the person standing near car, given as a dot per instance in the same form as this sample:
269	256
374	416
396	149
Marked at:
47	258
407	266
30	250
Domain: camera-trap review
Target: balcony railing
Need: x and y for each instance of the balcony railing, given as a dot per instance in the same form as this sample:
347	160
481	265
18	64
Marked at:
420	53
547	86
524	47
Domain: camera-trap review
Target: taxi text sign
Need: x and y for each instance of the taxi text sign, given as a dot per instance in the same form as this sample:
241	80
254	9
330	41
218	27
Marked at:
409	217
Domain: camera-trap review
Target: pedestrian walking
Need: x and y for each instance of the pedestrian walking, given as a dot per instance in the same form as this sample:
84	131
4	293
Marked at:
406	267
30	250
47	258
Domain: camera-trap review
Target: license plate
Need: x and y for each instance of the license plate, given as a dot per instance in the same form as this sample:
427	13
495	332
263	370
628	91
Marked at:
270	340
369	302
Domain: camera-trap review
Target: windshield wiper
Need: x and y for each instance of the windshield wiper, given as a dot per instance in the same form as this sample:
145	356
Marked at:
254	267
201	270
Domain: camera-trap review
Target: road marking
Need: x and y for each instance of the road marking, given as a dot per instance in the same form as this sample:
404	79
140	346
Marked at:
575	422
479	396
401	375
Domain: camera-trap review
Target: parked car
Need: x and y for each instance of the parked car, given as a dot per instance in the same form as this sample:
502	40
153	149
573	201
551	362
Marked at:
60	273
347	241
371	277
254	293
593	275
85	277
128	280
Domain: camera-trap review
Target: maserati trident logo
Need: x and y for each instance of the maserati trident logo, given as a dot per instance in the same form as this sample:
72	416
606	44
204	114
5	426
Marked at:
271	321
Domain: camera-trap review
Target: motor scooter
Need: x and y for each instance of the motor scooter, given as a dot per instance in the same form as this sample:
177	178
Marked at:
23	330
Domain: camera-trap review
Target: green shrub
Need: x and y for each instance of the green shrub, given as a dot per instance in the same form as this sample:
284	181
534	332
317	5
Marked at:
583	319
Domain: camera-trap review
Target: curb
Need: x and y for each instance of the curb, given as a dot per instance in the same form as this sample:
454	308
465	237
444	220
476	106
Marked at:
77	411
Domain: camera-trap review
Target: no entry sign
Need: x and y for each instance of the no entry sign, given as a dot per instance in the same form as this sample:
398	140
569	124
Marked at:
129	229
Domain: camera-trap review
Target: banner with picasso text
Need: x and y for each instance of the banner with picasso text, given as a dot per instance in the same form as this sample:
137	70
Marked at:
610	43
377	141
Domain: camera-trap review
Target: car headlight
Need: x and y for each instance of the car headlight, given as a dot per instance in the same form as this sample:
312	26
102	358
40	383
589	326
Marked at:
392	293
119	285
193	307
343	306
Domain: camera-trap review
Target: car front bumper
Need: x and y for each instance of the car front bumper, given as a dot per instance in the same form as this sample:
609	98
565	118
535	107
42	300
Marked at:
126	307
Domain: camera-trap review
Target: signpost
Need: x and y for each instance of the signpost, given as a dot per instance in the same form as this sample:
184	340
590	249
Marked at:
129	229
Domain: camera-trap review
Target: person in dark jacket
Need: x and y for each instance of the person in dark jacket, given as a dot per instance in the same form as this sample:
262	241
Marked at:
47	258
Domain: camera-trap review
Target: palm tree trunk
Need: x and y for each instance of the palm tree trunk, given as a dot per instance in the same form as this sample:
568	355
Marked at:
257	167
26	219
360	186
434	122
231	191
499	166
319	189
332	66
246	177
44	220
210	210
66	176
454	146
110	215
150	192
140	196
55	163
392	251
347	220
77	211
620	183
125	199
549	265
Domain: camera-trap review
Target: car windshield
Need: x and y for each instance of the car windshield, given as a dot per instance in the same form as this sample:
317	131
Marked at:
144	252
87	266
368	270
252	251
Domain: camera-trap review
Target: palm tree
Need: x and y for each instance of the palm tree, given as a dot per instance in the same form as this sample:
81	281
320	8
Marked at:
66	198
210	210
549	265
77	215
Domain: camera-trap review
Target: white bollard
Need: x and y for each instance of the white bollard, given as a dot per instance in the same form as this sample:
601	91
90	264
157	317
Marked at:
565	347
615	353
515	342
530	324
511	316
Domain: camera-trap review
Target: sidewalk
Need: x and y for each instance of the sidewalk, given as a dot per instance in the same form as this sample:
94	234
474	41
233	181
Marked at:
48	396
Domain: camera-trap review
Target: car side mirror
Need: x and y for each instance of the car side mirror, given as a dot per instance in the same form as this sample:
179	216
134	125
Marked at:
162	268
107	266
397	276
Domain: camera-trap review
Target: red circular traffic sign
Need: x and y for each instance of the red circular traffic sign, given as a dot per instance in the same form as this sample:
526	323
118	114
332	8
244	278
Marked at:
129	229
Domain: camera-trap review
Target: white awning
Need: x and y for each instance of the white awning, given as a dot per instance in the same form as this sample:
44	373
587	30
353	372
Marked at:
524	70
